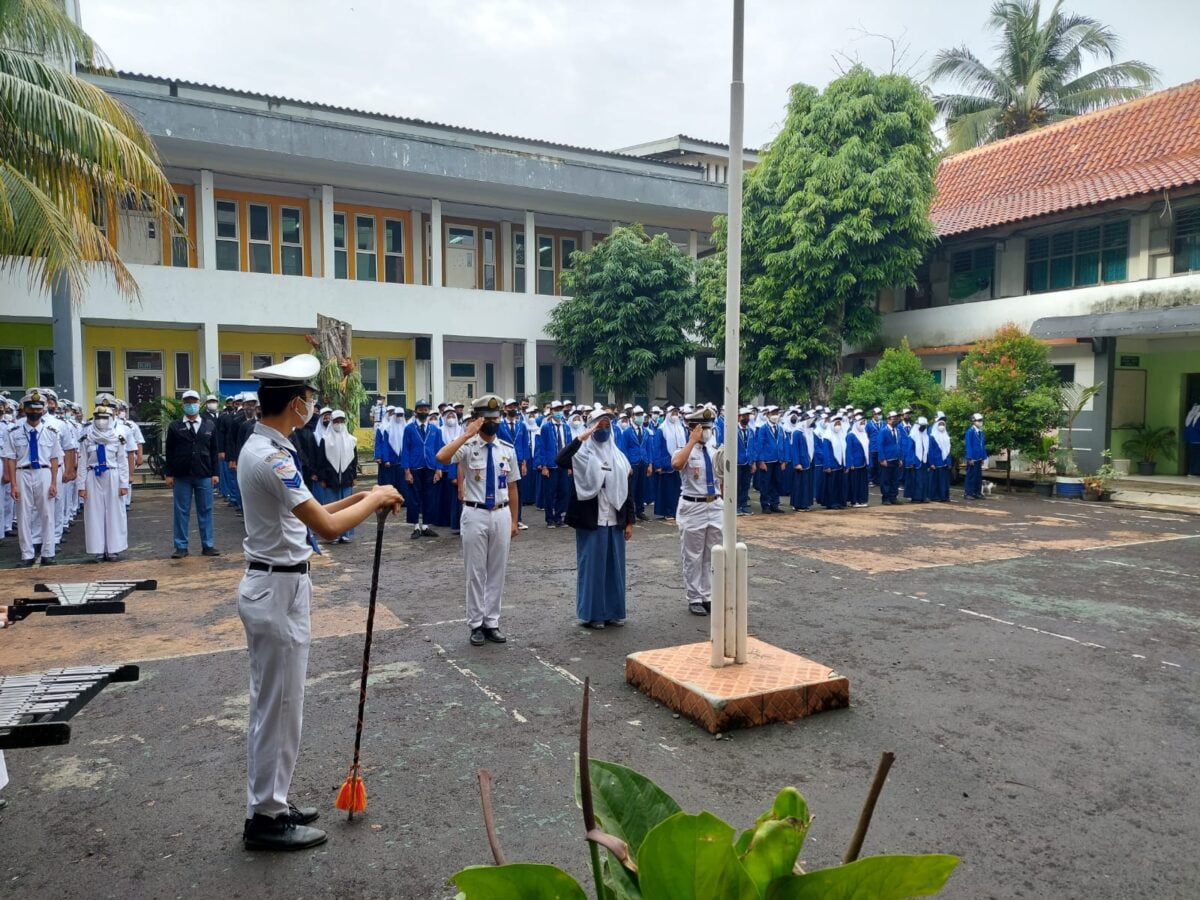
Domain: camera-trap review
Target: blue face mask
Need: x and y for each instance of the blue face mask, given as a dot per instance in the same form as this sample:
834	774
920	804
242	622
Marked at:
603	435
638	420
558	416
191	409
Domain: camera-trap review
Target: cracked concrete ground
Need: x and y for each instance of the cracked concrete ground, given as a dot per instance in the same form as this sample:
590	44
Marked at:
1033	663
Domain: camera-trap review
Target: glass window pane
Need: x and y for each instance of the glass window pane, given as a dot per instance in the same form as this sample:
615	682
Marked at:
545	283
1062	243
393	236
261	360
489	246
568	247
12	367
364	267
1039	248
183	371
545	379
489	377
45	361
1062	272
339	229
364	230
339	263
568	379
519	249
1035	277
227	256
1116	234
291	260
462	370
368	371
180	256
104	367
144	360
231	365
395	375
393	269
289	229
545	251
1087	239
519	281
260	258
1087	268
226	219
489	277
260	222
460	237
1114	268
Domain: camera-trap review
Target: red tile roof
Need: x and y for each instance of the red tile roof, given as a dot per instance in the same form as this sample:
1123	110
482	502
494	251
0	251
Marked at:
1142	147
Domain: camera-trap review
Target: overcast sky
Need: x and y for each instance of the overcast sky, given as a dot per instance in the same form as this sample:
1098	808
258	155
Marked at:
596	73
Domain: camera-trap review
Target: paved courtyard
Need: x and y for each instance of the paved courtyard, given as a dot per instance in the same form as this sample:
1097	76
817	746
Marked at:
1034	665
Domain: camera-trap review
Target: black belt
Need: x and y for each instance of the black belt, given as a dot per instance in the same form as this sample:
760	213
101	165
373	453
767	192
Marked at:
475	505
701	499
39	466
297	569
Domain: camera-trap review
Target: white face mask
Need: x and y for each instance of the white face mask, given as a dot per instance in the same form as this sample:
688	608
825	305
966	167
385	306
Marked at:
104	424
941	426
339	427
211	407
310	409
706	434
451	421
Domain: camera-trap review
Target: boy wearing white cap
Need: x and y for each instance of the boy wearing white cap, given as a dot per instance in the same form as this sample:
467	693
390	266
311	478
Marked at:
31	457
190	466
974	455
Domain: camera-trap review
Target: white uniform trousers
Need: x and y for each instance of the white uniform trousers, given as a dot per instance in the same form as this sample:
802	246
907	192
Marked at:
35	512
8	510
60	506
274	608
486	535
699	531
105	524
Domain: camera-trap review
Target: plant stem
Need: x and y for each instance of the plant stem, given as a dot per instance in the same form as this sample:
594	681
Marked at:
868	810
585	791
489	820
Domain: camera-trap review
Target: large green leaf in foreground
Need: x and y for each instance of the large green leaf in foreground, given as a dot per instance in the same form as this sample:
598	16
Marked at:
690	857
627	804
873	878
518	881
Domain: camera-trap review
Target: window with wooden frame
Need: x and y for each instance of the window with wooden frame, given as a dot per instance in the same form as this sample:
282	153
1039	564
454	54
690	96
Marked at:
1186	245
489	259
379	251
228	244
393	251
519	262
1098	254
261	233
104	370
291	240
258	236
179	249
231	366
366	252
341	263
545	264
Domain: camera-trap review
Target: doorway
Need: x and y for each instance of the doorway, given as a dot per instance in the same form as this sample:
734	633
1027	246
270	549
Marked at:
461	250
143	377
461	385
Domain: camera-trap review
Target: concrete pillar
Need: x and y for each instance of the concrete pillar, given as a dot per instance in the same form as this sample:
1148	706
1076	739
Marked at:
210	353
315	239
506	256
206	220
693	245
585	388
437	243
506	378
328	268
418	248
613	226
531	385
587	241
531	259
437	365
658	394
67	340
689	380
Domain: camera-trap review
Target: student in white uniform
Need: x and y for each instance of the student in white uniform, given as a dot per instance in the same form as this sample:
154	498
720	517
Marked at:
488	473
104	486
274	596
8	506
32	456
698	515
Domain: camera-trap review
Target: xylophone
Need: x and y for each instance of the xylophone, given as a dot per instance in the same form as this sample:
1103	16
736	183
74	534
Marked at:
78	598
34	709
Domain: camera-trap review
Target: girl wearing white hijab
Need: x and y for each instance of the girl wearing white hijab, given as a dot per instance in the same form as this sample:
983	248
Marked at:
105	484
832	460
337	463
939	463
858	458
601	511
916	471
449	504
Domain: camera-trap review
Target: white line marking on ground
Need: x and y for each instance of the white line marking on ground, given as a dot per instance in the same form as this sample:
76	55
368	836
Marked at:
1171	664
1113	562
557	670
483	688
1065	637
444	622
1165	518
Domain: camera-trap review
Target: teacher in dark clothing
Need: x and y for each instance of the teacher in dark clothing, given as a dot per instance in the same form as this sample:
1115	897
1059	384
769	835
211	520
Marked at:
601	510
191	472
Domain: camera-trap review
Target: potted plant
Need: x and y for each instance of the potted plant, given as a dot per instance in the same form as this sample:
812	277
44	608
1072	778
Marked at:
1075	397
1098	485
1147	444
1041	458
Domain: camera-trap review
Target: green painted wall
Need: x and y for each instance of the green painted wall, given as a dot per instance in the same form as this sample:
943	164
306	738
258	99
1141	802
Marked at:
30	337
1164	399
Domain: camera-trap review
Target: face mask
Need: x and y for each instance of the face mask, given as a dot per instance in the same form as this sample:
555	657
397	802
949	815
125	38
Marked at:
339	427
941	427
744	421
190	409
451	421
310	407
211	407
603	434
558	416
706	434
639	420
104	424
673	419
837	427
33	417
489	428
422	416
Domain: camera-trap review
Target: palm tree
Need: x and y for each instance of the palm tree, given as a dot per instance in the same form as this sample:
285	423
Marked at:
69	153
1036	78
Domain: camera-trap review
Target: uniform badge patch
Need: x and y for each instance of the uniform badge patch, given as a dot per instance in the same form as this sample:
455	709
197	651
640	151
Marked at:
285	471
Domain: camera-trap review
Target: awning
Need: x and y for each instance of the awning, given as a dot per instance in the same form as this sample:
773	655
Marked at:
1177	321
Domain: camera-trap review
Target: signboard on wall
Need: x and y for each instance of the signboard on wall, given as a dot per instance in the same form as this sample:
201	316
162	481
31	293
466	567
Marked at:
1131	362
1129	397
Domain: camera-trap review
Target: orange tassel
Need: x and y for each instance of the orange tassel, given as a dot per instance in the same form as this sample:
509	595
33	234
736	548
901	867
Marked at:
352	796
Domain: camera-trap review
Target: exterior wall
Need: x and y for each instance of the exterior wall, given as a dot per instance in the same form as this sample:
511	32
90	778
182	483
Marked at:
1166	363
123	338
29	337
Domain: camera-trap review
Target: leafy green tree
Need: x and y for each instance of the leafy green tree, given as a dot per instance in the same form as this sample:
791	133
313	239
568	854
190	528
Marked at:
896	381
1007	377
631	304
836	211
1036	77
68	152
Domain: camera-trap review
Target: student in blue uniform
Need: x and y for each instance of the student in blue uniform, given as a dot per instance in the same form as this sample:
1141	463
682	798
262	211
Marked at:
556	488
671	438
891	462
917	462
939	462
1191	436
904	428
803	449
744	436
858	461
874	426
831	458
635	442
771	454
526	444
974	454
422	471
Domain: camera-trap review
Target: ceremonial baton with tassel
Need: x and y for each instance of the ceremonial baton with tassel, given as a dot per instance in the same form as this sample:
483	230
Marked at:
352	796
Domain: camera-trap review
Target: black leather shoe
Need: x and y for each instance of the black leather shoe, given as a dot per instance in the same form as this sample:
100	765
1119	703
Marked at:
113	557
302	815
416	534
428	532
179	554
697	609
615	623
280	833
494	635
48	561
596	625
210	551
27	563
477	637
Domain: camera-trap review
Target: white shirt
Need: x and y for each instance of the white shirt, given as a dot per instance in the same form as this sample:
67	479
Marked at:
271	488
694	480
472	459
17	445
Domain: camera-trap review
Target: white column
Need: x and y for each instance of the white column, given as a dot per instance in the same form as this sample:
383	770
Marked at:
531	385
587	240
437	242
531	256
418	250
206	244
689	380
693	245
506	256
506	380
659	394
315	239
585	388
613	226
210	354
328	267
437	366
